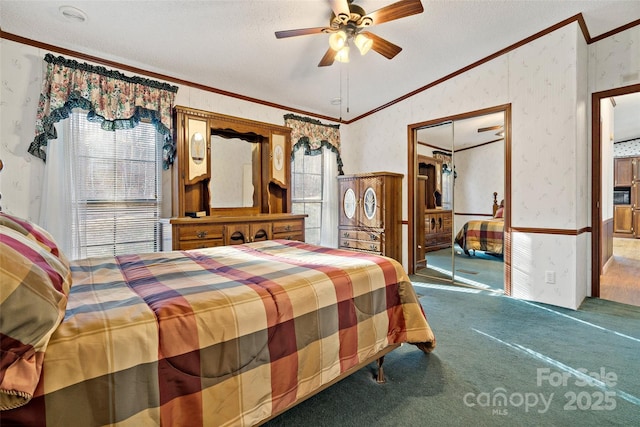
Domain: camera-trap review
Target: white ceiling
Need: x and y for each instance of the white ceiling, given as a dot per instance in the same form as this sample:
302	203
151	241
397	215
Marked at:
231	46
626	117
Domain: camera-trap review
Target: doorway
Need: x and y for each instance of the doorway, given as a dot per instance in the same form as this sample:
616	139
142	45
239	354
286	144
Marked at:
459	186
615	135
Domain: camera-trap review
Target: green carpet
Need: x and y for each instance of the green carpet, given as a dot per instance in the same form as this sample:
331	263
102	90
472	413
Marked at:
480	270
491	346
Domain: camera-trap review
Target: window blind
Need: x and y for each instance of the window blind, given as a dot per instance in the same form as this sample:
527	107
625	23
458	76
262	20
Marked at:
118	188
306	196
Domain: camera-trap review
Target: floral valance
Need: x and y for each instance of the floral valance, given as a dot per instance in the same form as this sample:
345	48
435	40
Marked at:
445	158
111	98
312	129
308	151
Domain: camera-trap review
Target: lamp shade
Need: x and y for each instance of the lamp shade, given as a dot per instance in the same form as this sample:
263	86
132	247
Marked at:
337	40
363	43
343	54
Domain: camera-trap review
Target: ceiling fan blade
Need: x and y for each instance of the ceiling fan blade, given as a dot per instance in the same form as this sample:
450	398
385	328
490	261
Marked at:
341	9
394	11
382	46
301	32
488	128
328	58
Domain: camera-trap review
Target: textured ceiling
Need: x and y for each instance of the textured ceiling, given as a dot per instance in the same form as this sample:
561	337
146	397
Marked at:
231	46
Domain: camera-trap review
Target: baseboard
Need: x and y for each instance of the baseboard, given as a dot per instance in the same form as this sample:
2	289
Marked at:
607	265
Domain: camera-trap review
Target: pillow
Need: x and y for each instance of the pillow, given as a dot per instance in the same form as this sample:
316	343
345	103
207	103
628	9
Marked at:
35	280
33	231
499	212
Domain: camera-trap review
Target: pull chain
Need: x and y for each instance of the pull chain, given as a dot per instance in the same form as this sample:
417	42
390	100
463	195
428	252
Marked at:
347	88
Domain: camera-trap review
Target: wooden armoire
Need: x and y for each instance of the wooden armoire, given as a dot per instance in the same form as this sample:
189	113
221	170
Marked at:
434	224
371	213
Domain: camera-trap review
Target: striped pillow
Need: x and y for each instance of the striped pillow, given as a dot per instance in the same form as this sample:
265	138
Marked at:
35	280
32	231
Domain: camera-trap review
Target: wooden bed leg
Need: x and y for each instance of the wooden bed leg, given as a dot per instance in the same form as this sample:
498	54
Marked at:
380	379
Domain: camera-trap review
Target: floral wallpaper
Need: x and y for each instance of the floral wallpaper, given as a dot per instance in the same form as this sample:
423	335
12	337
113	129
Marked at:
627	148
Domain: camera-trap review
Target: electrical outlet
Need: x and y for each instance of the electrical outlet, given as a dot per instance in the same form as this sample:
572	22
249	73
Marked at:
550	277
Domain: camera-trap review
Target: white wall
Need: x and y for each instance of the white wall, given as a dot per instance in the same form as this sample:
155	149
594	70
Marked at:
541	81
606	155
480	174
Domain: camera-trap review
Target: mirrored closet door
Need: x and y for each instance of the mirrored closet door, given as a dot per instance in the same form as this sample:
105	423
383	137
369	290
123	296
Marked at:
434	200
459	176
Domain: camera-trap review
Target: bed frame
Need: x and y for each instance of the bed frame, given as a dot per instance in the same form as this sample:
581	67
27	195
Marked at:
496	206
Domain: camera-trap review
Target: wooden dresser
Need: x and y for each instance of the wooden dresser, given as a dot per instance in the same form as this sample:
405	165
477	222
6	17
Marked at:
438	224
193	233
434	224
261	177
371	213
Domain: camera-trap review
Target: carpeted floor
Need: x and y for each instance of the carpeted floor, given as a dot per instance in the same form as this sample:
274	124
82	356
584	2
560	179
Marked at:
480	270
498	362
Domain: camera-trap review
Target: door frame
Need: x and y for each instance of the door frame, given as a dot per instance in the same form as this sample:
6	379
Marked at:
412	166
596	182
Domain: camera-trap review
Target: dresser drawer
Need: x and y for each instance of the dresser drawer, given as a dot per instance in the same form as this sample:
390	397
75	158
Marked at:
288	226
291	235
185	245
199	231
373	246
363	235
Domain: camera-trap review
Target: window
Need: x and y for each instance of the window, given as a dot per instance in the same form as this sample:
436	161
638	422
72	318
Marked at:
314	192
306	196
111	190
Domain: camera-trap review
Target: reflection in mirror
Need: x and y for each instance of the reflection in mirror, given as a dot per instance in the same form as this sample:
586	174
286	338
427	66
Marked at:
479	234
471	153
434	201
232	180
197	148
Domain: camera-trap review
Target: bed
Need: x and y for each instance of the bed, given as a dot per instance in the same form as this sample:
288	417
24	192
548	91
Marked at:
231	335
484	235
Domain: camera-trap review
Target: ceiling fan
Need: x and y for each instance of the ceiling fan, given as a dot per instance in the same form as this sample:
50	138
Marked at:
347	23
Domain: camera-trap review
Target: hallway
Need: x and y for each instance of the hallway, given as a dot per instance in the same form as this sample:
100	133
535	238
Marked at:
621	281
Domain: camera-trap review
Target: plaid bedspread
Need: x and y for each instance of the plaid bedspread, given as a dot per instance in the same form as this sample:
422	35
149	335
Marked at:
482	235
218	336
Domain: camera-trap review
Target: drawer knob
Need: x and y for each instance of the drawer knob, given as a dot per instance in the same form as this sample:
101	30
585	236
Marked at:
345	234
288	227
373	236
201	234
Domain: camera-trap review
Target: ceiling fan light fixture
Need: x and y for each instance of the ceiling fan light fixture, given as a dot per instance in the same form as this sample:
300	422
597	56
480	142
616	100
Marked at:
363	43
343	54
338	40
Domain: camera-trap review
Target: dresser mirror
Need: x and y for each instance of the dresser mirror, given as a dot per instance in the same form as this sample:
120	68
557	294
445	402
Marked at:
233	181
244	171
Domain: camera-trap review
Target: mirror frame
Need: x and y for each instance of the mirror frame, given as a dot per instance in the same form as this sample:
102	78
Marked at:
273	190
412	166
